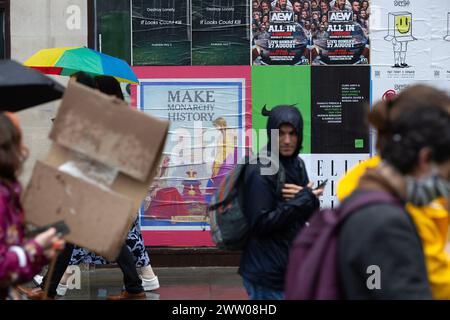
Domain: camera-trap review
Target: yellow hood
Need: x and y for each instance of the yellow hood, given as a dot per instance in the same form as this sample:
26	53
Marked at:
432	226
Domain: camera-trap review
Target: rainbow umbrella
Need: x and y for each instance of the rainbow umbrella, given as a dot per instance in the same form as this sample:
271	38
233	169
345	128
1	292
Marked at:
69	60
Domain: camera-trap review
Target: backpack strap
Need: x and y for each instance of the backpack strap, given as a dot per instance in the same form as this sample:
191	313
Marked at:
224	194
366	199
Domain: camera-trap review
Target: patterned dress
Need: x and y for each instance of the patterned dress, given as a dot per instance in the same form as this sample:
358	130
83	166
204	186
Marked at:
20	260
134	242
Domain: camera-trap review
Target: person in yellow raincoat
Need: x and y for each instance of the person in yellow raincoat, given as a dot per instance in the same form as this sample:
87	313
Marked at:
431	221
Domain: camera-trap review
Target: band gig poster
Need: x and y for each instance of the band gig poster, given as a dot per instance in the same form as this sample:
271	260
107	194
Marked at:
161	32
220	32
339	102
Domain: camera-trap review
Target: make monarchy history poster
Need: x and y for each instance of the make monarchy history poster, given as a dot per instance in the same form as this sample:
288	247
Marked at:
209	113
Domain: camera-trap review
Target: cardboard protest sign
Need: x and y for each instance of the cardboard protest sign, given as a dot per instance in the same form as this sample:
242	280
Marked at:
97	171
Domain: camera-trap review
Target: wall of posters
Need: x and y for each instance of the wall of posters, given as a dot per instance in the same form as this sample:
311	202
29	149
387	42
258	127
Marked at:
340	98
308	53
401	39
209	110
330	148
220	32
161	32
185	32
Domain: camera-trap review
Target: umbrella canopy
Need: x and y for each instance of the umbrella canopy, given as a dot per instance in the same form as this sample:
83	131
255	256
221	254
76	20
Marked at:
69	60
22	87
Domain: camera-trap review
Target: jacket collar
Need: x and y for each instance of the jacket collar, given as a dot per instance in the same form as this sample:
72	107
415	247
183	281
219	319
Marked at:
384	177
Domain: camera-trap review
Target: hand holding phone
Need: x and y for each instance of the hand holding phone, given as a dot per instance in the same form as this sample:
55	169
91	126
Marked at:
61	228
322	185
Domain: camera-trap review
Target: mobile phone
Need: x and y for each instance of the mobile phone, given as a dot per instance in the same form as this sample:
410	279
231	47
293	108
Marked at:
322	185
61	227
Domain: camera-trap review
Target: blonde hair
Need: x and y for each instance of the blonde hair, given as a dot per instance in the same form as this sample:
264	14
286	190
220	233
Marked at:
221	122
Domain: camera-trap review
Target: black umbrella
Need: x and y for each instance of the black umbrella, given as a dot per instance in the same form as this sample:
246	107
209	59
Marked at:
22	87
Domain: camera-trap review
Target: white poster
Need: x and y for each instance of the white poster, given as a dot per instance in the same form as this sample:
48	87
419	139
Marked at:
401	39
384	89
440	35
321	167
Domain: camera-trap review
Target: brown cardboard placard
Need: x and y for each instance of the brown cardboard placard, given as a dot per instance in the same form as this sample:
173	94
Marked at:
105	131
95	216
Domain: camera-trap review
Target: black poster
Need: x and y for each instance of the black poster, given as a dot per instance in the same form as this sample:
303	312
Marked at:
220	32
339	103
161	32
114	28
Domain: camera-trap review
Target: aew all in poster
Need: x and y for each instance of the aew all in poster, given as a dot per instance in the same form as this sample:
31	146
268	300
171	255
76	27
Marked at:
161	32
220	32
342	37
278	36
324	32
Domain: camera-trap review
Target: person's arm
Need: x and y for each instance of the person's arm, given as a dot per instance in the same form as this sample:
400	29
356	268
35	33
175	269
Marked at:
389	243
267	214
18	263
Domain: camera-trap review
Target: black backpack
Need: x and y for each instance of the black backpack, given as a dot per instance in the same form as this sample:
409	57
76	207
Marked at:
228	223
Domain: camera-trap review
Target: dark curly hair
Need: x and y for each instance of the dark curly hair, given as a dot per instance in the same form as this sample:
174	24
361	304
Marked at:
416	129
416	96
11	153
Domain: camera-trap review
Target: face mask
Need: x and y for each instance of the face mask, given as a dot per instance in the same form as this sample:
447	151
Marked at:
423	191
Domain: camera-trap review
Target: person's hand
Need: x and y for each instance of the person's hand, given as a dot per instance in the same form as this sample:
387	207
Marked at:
290	190
318	192
49	242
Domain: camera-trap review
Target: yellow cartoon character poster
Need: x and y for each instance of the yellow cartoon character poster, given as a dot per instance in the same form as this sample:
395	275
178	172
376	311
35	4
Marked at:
399	34
401	40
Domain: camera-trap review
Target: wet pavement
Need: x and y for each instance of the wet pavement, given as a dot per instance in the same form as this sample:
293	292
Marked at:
205	283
